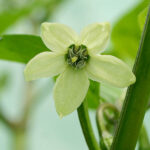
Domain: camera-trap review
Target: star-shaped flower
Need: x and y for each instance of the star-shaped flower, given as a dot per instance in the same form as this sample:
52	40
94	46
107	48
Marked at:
77	59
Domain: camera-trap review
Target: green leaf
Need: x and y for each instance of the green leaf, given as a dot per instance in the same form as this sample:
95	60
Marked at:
144	143
3	81
20	48
142	17
93	95
8	18
11	16
126	33
110	93
137	97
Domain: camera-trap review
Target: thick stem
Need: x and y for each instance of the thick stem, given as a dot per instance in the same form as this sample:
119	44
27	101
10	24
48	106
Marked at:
137	97
87	127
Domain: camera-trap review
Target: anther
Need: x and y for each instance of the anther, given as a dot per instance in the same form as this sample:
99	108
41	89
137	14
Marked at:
77	56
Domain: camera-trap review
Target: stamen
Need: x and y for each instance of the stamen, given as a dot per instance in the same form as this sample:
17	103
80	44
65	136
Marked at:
74	59
77	56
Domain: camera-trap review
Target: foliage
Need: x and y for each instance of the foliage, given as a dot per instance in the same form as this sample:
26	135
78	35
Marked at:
125	38
12	17
142	17
144	143
93	96
20	48
4	78
126	34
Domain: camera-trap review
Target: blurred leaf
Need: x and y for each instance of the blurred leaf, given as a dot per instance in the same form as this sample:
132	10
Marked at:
47	8
9	17
142	17
144	143
92	96
20	48
126	33
3	81
110	93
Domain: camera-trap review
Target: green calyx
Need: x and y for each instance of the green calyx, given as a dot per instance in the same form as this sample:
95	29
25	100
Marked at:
77	56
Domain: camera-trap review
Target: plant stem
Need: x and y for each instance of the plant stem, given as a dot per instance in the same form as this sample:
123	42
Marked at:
137	97
19	140
87	127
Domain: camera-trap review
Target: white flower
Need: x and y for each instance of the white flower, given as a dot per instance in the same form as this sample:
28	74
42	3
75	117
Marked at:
76	59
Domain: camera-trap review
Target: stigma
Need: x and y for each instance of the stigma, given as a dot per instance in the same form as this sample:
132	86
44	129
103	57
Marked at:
77	56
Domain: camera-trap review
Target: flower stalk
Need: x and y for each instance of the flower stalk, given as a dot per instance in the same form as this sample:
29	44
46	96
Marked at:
87	127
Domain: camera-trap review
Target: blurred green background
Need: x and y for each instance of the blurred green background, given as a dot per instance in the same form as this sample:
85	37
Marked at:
33	101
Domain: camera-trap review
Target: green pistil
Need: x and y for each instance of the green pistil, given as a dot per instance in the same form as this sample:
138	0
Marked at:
77	56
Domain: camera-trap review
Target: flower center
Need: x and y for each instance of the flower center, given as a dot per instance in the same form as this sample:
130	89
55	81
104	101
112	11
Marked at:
77	56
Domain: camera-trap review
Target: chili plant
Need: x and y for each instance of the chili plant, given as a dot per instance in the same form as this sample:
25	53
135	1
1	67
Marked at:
81	70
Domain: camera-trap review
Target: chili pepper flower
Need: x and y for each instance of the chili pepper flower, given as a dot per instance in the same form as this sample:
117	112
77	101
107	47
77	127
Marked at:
77	59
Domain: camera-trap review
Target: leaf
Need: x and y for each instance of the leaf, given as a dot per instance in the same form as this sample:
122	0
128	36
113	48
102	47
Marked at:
11	16
125	37
20	48
142	17
137	97
4	78
144	143
126	33
93	95
8	18
110	93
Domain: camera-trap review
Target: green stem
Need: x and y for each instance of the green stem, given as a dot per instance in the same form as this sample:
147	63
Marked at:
19	140
87	127
137	97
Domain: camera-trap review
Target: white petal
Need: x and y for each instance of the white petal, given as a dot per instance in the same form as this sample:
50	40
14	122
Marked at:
46	64
109	69
57	37
95	36
70	90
